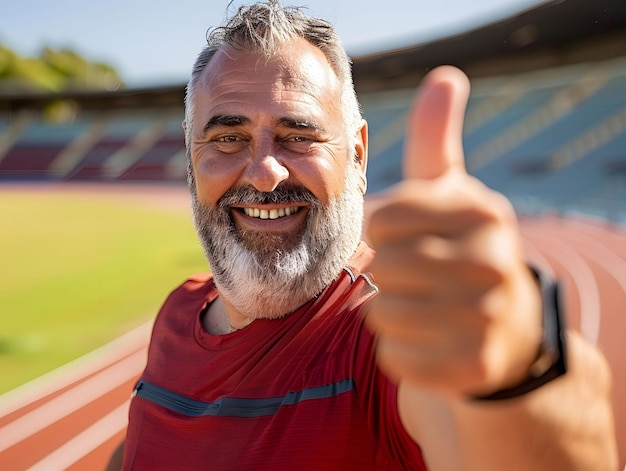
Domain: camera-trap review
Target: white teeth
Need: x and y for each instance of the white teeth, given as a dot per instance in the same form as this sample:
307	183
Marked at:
271	213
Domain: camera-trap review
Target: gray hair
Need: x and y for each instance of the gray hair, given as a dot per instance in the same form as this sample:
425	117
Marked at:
263	28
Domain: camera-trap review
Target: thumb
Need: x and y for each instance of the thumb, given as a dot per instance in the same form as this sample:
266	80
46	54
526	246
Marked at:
434	141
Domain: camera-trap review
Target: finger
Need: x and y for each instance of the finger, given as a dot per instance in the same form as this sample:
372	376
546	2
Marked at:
432	265
448	367
431	318
434	144
407	267
444	208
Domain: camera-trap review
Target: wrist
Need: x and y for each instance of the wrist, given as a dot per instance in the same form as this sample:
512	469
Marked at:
551	361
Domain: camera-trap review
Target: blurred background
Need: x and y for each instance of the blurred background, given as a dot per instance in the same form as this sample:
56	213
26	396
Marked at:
79	84
150	43
94	218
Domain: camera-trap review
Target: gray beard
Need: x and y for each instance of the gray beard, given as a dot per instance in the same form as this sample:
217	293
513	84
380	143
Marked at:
270	276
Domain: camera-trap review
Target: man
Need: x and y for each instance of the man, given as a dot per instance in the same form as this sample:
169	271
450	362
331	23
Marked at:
291	355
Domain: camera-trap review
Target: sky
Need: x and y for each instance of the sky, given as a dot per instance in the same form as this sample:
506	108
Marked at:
155	42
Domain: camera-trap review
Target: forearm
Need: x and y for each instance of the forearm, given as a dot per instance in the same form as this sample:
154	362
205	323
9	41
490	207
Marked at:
564	425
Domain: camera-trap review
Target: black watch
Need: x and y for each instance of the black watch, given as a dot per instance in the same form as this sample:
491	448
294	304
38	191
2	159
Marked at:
552	360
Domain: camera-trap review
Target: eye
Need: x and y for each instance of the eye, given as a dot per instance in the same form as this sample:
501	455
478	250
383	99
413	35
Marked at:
227	138
229	143
298	143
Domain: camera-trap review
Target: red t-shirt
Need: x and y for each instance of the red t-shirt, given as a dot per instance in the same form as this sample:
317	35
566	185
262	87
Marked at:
297	393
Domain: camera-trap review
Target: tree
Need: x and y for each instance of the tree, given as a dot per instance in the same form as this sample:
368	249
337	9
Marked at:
54	70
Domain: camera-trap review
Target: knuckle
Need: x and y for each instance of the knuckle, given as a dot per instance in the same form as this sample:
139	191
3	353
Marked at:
489	204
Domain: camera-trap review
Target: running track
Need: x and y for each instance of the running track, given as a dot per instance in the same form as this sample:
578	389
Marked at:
73	418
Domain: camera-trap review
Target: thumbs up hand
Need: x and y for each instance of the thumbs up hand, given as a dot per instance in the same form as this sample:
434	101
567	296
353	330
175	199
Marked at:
458	310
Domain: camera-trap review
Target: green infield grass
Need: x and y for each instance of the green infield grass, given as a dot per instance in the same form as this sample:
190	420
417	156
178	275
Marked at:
76	271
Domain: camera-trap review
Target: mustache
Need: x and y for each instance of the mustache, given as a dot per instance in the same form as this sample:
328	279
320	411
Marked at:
283	194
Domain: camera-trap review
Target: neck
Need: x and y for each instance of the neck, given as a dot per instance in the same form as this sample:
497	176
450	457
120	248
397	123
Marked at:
222	318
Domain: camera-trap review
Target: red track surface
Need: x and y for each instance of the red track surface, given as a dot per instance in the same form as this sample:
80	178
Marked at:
74	417
589	257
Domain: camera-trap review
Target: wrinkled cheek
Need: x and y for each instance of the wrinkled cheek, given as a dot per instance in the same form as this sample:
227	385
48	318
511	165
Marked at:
325	177
214	179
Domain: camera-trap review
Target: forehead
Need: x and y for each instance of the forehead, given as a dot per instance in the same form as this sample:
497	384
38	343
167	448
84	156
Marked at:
298	73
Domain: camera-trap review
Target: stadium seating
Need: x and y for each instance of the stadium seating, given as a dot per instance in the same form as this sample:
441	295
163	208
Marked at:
549	139
554	138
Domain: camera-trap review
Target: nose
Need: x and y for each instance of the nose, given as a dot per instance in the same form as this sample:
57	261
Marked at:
265	172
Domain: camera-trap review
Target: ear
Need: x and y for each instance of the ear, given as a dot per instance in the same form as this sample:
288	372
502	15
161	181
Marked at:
360	155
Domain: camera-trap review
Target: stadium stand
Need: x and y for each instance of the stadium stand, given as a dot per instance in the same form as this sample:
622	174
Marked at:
546	122
558	135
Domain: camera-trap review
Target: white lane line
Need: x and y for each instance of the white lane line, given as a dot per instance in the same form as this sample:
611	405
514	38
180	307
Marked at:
74	371
86	441
72	400
582	275
608	258
604	255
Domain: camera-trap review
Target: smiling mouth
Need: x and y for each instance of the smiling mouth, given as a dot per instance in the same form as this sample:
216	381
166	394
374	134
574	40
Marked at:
270	213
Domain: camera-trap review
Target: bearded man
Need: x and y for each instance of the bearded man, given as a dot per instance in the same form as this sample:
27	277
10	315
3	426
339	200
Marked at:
307	349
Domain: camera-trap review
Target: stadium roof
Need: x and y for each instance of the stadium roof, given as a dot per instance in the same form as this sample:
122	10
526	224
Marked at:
555	33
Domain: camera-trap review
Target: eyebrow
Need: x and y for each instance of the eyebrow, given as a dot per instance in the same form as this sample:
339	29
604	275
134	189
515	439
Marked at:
302	124
238	120
225	120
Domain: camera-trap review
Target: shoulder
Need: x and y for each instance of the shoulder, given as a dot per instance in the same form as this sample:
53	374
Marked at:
195	284
197	279
191	295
